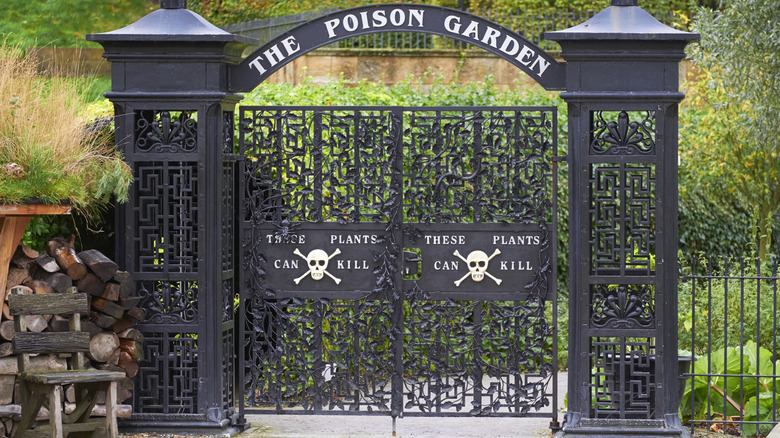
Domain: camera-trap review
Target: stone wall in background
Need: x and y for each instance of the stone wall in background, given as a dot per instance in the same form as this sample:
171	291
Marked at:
384	65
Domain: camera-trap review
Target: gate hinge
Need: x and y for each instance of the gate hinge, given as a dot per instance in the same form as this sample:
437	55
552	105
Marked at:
559	158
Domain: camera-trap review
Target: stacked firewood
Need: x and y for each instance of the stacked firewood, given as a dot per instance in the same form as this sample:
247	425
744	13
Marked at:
115	344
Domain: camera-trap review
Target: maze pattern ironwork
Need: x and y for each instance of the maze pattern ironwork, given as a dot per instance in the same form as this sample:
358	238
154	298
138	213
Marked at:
395	347
622	207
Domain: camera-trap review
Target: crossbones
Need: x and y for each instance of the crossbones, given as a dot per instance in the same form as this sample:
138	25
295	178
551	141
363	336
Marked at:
317	261
477	262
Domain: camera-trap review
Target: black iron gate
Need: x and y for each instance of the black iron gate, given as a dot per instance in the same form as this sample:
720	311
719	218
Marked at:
398	260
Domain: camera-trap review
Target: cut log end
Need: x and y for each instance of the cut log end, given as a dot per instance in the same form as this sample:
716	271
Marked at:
102	346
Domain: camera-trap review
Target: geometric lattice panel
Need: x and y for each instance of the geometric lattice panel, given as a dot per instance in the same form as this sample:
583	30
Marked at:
166	212
228	365
167	381
622	217
228	215
623	380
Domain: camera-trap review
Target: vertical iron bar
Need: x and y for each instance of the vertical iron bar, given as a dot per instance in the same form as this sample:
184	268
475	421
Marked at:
397	296
624	189
774	338
356	346
317	307
281	128
240	319
357	148
477	152
620	358
725	330
758	332
741	345
477	344
554	273
319	350
709	335
317	146
525	24
693	281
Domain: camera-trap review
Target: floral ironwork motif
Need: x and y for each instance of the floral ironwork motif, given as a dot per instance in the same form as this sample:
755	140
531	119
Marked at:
169	302
622	306
395	349
228	145
623	137
163	132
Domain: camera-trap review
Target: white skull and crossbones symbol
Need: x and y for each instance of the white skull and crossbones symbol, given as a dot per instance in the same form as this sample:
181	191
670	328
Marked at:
317	261
477	262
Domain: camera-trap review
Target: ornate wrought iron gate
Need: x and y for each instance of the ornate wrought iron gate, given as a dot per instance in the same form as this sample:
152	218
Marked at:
398	260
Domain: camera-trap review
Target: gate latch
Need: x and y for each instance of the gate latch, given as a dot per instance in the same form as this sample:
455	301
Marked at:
412	260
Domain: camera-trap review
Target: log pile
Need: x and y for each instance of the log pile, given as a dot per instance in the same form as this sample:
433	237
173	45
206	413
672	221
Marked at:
115	345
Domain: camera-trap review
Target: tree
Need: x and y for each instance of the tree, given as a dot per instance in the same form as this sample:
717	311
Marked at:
736	152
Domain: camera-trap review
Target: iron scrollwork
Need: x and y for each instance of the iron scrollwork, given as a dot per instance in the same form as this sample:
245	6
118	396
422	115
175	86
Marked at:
375	353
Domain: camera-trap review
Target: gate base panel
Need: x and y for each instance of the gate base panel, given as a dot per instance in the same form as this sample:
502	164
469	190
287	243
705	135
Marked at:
595	428
195	428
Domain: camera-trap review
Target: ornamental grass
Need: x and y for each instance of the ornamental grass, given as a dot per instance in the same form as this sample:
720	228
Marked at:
50	152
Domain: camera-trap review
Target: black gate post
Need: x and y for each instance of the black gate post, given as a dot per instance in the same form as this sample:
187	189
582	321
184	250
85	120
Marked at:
622	92
177	235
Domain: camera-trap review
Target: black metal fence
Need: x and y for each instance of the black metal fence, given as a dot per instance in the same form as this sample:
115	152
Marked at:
729	322
532	24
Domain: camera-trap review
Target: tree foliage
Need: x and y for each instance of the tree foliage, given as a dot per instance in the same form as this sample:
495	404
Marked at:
732	151
65	23
222	12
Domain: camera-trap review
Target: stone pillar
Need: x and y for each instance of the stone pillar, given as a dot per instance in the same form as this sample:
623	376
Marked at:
622	94
177	234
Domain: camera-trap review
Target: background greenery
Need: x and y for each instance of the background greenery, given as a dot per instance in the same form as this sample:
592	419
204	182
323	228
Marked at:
717	218
223	12
64	23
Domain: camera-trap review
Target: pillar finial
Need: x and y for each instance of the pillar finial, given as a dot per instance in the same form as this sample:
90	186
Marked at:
624	3
173	4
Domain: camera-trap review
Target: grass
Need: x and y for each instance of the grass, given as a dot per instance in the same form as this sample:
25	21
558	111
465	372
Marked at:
44	131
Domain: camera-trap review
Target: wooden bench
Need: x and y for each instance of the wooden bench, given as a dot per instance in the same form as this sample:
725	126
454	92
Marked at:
40	386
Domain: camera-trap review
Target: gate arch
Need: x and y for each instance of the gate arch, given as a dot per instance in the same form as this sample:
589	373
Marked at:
459	25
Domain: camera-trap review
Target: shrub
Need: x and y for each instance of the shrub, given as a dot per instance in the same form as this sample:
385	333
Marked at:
718	393
55	152
727	304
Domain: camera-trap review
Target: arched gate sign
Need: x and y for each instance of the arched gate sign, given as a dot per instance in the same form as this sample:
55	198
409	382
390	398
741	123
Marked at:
399	259
496	39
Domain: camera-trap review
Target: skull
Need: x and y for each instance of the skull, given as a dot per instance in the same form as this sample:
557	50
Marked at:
477	262
318	263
